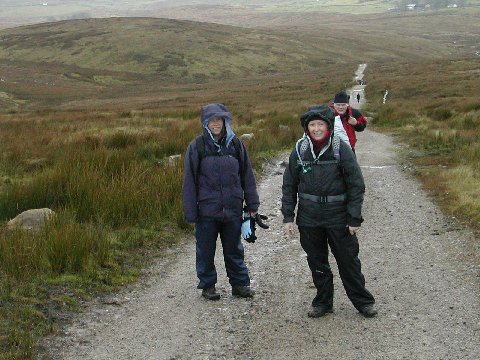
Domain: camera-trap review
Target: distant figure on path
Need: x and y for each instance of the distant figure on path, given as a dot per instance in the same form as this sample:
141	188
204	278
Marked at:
218	177
351	118
325	178
358	97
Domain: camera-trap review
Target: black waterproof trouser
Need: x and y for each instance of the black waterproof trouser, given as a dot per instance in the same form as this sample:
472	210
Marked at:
344	247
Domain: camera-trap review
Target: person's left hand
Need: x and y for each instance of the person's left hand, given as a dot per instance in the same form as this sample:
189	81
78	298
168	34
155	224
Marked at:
353	229
289	228
352	121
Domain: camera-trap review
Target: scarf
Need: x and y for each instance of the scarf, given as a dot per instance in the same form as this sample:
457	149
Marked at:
318	144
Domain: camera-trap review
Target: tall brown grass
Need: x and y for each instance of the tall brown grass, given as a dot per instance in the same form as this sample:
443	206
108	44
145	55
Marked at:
434	108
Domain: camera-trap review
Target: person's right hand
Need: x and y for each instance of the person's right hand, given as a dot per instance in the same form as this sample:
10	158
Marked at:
352	121
289	228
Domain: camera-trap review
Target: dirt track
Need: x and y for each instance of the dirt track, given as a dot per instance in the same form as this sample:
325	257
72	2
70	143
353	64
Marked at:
416	262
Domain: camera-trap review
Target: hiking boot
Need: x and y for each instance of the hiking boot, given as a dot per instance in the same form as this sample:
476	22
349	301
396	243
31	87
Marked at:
319	311
242	291
369	310
210	293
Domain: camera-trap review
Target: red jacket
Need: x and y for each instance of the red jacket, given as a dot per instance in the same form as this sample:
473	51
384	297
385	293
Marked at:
350	129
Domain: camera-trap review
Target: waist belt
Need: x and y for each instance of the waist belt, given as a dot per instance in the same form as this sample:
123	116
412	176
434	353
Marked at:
323	199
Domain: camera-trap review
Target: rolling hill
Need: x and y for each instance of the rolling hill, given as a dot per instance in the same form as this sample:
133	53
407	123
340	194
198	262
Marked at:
78	58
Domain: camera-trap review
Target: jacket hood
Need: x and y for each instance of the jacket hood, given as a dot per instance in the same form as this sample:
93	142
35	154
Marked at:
318	112
211	111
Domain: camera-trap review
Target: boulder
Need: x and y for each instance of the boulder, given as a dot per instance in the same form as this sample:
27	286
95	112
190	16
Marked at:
174	159
247	136
33	219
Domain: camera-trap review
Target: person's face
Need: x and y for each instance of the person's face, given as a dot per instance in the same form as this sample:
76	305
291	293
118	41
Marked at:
216	126
340	108
317	129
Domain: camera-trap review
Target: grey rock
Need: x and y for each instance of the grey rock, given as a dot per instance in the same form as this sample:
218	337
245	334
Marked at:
33	219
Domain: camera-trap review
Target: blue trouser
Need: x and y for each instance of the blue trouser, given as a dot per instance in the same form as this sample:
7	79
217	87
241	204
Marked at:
315	242
206	233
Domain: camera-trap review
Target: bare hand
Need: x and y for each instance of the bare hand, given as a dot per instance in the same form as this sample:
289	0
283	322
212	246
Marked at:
289	228
352	121
353	229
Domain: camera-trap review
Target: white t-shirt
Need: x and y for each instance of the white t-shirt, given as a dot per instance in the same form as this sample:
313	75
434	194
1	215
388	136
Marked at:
339	130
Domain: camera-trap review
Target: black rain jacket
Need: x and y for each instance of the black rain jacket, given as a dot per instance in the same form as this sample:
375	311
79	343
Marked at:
326	177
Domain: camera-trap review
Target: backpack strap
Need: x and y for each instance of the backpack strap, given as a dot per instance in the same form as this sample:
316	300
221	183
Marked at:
200	143
336	147
238	153
303	145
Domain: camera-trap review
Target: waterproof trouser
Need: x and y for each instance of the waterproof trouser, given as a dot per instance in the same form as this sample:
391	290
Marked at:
315	242
206	234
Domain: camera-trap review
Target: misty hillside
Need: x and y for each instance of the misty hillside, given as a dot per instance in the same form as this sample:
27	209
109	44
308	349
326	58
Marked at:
21	12
187	50
158	46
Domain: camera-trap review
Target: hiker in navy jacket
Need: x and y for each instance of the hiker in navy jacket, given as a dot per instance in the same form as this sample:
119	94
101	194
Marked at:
323	176
218	179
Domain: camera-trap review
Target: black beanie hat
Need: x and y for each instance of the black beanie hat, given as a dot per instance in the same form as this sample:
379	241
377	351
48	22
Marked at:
318	112
341	98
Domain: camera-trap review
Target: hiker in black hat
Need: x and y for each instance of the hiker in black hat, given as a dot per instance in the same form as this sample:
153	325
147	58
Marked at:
325	178
351	118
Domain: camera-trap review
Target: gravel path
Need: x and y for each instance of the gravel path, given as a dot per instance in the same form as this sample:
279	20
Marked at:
417	263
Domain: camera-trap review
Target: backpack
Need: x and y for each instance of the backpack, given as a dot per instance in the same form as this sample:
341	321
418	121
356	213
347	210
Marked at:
200	142
302	146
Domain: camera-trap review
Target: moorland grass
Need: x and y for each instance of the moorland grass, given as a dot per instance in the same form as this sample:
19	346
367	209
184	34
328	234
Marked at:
434	108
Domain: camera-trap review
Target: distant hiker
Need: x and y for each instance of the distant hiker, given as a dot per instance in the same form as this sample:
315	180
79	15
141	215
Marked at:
218	177
323	174
352	119
358	97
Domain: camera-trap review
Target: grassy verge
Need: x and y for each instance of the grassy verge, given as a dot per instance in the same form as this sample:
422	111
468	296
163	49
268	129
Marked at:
434	109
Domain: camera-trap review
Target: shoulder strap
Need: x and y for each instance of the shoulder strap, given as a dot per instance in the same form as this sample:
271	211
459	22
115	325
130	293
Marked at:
356	113
200	142
336	147
238	151
200	147
302	145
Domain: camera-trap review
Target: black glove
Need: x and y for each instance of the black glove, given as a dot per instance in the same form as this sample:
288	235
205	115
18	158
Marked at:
259	220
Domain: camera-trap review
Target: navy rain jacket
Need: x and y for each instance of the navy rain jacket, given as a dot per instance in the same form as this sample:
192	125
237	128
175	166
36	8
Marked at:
213	188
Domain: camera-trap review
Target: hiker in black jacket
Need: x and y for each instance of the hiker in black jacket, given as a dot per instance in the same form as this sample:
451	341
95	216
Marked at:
323	174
